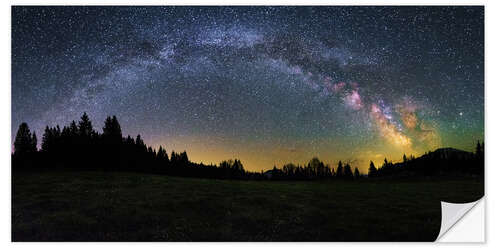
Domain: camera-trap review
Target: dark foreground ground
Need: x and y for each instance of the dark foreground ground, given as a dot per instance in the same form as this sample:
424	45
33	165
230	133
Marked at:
98	206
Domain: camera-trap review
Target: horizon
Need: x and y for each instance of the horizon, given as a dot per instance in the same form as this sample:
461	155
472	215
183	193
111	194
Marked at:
266	85
279	166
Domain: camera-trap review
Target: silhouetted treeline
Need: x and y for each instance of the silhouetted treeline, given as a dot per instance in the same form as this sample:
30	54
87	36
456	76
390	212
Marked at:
79	146
313	170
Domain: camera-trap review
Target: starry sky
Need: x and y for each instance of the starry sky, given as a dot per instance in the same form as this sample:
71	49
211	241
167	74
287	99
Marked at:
267	85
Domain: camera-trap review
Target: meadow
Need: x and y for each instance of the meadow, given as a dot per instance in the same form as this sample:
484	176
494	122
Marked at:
121	206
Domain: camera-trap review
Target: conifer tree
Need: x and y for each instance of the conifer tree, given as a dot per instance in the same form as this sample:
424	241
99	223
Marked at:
34	142
348	171
47	140
85	126
372	171
356	173
24	140
340	170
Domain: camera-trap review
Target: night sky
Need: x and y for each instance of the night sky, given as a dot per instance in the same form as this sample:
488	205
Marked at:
267	85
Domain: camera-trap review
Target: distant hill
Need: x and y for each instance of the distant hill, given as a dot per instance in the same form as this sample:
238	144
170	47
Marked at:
443	161
450	153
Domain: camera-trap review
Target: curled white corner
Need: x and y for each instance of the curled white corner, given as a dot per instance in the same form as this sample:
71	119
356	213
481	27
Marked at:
451	214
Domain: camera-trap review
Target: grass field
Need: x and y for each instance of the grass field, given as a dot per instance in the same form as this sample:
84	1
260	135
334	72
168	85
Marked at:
99	206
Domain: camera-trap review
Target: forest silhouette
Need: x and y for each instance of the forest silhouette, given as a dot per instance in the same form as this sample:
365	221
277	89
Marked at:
78	146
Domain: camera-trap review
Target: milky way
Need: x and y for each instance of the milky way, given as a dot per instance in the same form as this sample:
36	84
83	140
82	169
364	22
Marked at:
268	85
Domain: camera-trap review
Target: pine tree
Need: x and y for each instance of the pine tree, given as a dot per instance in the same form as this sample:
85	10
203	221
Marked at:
340	170
73	129
140	143
129	140
34	143
85	126
116	127
372	171
112	130
47	141
347	171
23	142
107	129
183	158
174	157
162	154
356	173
